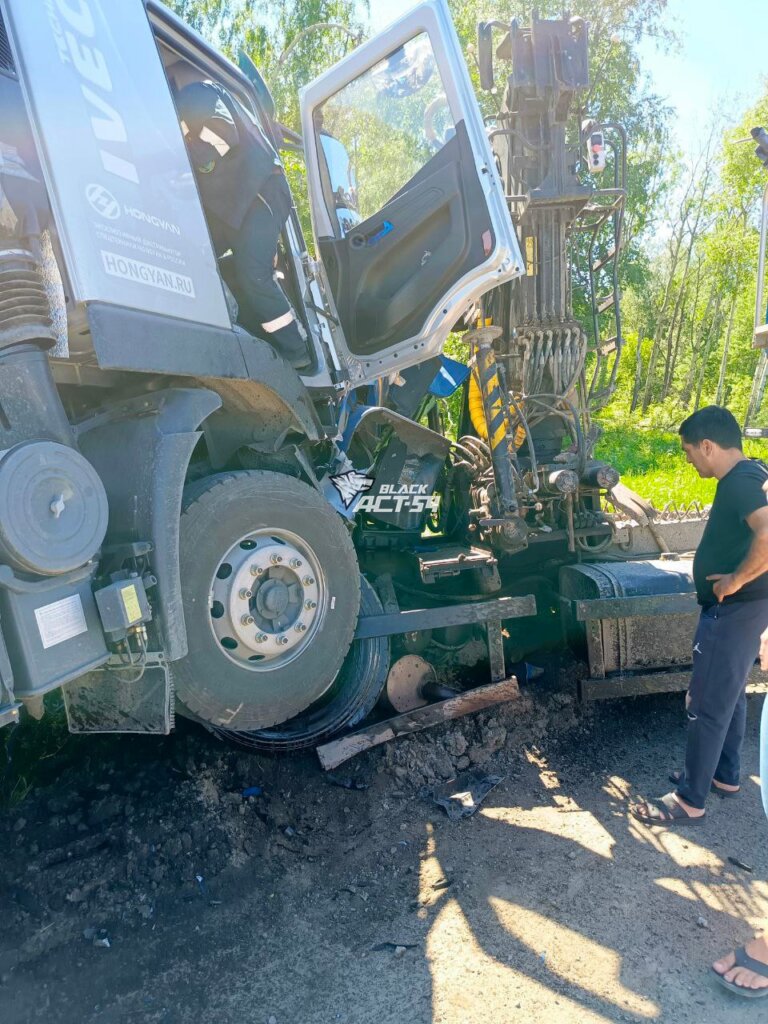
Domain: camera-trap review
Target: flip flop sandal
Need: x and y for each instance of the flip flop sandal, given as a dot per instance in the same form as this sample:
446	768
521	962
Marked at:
665	812
724	794
743	959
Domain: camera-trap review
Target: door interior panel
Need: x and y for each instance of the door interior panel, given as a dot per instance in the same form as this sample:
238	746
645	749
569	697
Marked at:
391	271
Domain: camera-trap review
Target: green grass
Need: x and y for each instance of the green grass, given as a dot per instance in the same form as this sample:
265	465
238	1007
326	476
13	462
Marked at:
652	463
32	753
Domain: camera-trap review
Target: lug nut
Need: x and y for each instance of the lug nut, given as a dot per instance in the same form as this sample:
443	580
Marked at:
308	581
274	559
245	594
256	570
247	620
309	605
295	563
282	640
299	627
261	638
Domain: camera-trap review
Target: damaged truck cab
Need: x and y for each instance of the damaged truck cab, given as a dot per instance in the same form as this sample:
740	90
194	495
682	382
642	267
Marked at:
188	524
172	535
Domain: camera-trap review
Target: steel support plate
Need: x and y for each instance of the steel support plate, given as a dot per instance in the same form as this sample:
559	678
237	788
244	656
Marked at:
417	619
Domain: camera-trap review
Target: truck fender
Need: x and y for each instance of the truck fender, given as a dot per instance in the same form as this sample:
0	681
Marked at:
259	413
264	397
141	448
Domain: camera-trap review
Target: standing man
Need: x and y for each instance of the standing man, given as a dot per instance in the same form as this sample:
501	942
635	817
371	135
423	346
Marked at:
731	575
247	201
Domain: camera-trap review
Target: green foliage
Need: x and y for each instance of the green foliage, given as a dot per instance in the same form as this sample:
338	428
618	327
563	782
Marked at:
266	29
703	332
384	130
455	348
31	752
683	310
291	42
619	92
653	464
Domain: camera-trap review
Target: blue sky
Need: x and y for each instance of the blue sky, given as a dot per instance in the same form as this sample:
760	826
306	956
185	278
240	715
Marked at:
721	64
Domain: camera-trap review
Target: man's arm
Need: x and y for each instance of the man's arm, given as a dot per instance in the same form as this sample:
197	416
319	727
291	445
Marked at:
754	565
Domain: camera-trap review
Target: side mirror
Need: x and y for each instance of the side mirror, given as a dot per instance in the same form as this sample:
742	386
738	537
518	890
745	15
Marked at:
251	72
485	54
760	135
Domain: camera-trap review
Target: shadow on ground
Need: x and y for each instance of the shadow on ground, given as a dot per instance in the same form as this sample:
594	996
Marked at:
310	903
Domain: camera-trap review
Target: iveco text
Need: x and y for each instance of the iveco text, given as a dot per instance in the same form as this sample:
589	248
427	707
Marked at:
88	61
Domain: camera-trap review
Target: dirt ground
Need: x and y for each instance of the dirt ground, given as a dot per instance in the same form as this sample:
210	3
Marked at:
138	884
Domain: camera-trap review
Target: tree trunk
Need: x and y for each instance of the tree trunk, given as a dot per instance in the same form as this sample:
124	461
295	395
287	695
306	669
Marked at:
724	361
670	372
711	337
705	325
638	371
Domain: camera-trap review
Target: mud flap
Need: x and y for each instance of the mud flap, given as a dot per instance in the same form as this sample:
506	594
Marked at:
122	698
9	707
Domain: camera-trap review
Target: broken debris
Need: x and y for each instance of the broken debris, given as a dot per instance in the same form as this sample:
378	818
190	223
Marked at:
335	752
740	864
346	781
97	937
462	796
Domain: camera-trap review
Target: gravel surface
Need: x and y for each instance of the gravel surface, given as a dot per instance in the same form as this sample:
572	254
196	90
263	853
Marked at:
139	884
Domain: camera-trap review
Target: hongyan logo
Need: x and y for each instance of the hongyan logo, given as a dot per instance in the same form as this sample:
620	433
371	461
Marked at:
150	218
102	201
105	204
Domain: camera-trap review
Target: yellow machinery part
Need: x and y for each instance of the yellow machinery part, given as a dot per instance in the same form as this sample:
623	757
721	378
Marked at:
477	415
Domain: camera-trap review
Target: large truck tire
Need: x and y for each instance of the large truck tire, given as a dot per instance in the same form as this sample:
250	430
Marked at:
271	594
352	697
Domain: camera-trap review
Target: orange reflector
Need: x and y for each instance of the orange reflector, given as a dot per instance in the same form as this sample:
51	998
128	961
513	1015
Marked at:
487	242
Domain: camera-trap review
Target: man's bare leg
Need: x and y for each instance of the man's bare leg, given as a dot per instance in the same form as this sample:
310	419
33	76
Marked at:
725	786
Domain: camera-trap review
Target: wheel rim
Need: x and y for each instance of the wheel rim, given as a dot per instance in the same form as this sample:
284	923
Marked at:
267	599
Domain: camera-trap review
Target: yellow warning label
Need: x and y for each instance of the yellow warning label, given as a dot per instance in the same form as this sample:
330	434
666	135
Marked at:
131	603
530	256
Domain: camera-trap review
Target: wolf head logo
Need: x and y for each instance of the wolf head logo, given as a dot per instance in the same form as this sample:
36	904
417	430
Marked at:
350	484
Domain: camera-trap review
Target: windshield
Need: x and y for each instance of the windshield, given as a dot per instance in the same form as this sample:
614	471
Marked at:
383	127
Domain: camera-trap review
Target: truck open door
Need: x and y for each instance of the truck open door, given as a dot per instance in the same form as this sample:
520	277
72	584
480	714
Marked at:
420	228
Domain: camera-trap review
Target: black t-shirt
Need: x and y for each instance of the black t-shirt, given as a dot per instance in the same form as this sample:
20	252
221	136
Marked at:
727	536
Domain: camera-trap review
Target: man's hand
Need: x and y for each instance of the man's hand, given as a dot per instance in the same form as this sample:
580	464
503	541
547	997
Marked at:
725	584
764	651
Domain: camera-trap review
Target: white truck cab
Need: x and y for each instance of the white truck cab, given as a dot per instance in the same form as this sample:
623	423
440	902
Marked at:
409	216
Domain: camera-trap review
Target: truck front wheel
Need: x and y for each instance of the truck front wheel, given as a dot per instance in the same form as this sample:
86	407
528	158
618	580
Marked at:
271	593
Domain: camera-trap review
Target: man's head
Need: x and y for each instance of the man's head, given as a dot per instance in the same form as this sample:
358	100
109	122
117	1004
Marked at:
206	116
711	440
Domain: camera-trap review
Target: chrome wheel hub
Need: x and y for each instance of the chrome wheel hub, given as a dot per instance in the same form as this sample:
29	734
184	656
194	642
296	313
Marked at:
267	599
